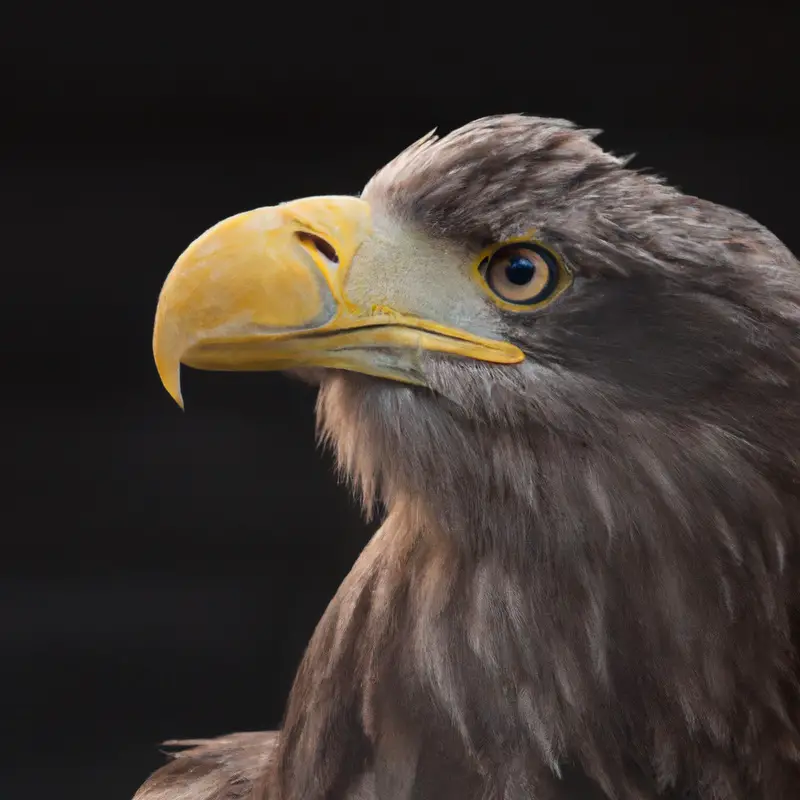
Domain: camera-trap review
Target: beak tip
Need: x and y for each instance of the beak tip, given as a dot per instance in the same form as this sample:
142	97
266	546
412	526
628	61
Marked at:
170	374
168	346
174	390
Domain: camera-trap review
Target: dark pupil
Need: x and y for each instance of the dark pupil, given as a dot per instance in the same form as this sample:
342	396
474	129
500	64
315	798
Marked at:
520	270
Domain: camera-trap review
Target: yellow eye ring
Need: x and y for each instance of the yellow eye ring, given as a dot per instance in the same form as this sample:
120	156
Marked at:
522	275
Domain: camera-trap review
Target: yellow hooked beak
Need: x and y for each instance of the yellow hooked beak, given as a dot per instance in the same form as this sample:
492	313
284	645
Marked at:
265	290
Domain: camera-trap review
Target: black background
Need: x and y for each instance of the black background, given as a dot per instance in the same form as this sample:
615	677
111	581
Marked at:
161	572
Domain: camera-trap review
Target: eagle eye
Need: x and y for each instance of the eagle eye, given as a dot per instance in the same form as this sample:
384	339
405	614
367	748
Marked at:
523	275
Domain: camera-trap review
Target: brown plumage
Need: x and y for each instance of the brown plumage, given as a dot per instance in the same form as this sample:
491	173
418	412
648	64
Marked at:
587	581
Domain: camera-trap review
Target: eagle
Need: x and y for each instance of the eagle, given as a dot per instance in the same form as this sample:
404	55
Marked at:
572	393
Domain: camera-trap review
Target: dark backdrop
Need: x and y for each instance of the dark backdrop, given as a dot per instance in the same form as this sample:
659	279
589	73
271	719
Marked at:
161	572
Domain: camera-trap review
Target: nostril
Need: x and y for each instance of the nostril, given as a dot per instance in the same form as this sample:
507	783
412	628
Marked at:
318	243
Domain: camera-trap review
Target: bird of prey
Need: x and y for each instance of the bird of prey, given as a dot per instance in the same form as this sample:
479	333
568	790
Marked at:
575	391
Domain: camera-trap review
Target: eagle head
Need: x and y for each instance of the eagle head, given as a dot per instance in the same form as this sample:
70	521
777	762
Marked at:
575	391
